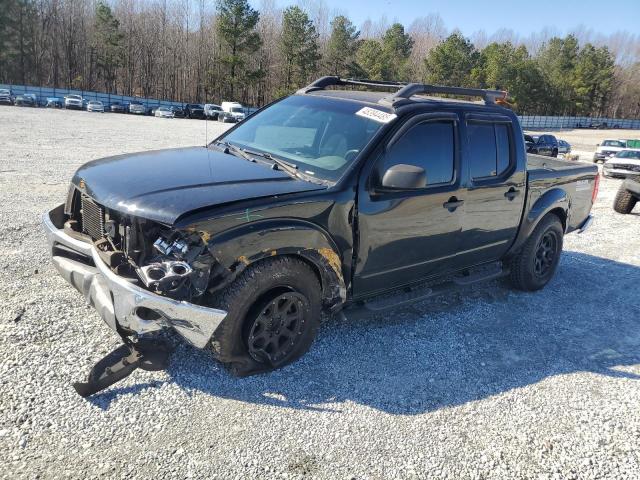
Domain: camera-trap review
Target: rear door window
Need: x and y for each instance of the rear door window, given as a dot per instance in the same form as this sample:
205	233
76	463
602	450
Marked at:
489	149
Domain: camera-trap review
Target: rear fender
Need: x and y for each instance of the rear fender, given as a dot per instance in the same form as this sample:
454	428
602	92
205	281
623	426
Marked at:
554	200
239	247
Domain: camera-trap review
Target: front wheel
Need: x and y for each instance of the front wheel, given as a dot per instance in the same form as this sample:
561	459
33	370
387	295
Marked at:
534	266
273	316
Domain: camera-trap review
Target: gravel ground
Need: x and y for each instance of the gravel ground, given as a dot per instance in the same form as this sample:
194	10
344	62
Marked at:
484	383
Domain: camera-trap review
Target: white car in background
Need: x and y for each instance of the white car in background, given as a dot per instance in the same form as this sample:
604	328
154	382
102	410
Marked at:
95	106
231	112
608	148
211	111
164	112
73	101
626	162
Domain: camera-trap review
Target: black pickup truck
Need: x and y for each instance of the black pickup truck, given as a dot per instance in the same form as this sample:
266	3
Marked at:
325	200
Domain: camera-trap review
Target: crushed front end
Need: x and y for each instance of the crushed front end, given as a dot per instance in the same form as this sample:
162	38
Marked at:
139	275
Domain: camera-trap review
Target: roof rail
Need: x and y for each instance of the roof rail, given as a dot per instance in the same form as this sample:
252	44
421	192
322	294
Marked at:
405	90
329	81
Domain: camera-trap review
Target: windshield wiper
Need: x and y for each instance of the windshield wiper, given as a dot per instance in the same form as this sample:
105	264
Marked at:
235	150
278	163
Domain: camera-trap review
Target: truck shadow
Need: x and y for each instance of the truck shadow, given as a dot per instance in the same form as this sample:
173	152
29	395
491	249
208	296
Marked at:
457	348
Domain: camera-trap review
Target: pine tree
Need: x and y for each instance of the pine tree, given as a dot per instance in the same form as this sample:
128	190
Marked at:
396	46
299	47
452	62
342	47
107	45
236	25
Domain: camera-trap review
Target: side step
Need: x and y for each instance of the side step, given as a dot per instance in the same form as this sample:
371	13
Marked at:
419	293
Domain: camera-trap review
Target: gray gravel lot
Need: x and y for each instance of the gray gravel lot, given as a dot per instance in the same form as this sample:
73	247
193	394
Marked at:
486	383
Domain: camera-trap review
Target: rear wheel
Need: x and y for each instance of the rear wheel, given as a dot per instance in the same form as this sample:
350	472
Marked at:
538	260
554	153
624	201
273	316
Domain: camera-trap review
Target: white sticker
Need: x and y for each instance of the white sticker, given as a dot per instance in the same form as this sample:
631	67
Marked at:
377	115
583	185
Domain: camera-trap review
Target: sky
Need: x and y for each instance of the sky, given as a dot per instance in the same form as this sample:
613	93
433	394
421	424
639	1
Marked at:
604	17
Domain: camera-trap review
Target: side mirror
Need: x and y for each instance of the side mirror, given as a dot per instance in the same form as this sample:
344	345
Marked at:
404	177
597	144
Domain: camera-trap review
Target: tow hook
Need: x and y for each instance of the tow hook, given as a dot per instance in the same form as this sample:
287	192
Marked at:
151	355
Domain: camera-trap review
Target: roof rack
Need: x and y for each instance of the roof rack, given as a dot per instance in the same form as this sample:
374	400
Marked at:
405	90
330	81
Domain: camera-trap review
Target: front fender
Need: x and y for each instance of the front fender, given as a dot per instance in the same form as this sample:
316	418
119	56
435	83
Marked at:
239	247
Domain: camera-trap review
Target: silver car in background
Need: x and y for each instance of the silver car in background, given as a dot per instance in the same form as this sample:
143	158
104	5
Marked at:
164	112
73	101
563	147
5	96
138	108
95	106
625	163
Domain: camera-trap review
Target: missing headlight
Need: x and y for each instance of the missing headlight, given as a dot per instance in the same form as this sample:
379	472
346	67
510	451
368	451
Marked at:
179	266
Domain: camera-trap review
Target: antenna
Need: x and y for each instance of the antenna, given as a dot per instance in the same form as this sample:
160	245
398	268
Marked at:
206	125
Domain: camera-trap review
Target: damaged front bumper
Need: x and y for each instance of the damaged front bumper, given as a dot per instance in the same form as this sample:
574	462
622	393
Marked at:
123	305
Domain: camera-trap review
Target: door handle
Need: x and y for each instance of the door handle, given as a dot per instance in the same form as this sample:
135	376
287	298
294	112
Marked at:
452	204
512	193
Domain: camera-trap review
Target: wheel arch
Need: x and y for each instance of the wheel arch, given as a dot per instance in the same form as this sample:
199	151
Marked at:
240	247
553	201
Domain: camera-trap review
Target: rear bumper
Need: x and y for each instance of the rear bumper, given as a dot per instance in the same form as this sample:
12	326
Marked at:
585	224
119	302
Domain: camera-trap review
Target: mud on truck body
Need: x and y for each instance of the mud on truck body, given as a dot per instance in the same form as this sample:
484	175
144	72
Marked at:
325	200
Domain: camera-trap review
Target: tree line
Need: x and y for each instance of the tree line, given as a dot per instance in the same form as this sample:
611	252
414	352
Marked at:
206	51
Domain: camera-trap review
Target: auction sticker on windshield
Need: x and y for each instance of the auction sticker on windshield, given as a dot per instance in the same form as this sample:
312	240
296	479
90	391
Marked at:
377	115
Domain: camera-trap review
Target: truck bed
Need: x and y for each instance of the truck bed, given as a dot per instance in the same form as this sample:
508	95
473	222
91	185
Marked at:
576	179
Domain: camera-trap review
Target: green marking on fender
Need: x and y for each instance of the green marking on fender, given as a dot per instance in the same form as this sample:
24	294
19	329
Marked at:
247	217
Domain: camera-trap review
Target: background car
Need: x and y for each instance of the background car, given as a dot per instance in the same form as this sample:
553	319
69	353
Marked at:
95	106
54	102
211	111
625	162
73	101
119	107
164	112
5	97
563	147
542	144
26	100
137	108
194	110
178	112
232	112
608	148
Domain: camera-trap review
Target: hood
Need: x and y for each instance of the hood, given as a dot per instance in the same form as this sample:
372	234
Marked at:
162	185
623	161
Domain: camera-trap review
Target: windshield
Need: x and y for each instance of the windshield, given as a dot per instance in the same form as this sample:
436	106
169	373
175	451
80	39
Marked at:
4	92
237	109
74	97
320	135
613	143
629	154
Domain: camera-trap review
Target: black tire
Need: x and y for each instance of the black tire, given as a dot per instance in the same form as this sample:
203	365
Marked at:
254	338
535	264
554	153
624	201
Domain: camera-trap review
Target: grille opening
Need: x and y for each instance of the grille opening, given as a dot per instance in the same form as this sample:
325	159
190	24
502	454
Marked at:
92	218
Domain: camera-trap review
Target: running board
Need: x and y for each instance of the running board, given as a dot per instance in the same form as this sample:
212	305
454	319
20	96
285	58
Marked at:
420	293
